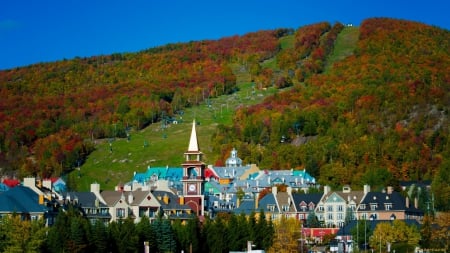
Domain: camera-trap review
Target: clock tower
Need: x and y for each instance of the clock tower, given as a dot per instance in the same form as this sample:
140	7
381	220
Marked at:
193	175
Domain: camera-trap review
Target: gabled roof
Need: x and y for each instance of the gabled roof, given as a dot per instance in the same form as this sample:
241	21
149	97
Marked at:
112	197
284	199
334	197
267	200
247	206
307	198
347	196
20	199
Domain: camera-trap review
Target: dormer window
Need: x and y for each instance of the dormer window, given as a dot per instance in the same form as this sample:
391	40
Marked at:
362	206
388	206
373	206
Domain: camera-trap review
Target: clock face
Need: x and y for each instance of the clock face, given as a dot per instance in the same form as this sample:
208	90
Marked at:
192	187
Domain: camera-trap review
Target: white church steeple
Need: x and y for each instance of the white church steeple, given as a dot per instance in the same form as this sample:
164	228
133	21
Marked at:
193	143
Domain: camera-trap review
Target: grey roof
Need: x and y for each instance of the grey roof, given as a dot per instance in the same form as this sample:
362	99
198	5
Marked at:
269	199
173	204
20	199
381	198
247	206
307	198
231	172
85	199
112	197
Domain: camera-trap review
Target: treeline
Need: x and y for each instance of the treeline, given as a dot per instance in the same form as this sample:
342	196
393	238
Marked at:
377	117
50	113
74	233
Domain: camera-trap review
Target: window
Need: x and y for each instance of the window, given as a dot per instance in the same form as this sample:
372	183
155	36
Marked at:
301	216
271	208
362	206
373	206
330	216
388	206
340	216
120	212
321	208
330	208
340	208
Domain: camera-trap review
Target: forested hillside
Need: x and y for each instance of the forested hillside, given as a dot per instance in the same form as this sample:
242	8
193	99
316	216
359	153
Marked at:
375	117
51	113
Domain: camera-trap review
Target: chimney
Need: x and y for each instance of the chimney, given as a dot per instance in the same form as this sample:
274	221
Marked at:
47	183
326	189
274	190
130	198
366	189
95	188
390	190
29	182
289	190
407	202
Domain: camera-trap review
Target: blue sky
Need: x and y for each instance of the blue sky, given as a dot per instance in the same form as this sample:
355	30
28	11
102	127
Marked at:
33	31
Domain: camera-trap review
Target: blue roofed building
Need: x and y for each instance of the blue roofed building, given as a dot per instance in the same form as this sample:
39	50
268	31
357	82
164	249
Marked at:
23	201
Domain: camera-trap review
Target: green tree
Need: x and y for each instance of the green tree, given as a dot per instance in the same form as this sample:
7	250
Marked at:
166	237
123	236
238	232
145	233
99	237
217	236
58	234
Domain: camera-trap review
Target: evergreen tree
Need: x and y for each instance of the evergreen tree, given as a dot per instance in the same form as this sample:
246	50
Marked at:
166	237
99	237
125	237
238	232
77	235
145	233
216	236
58	234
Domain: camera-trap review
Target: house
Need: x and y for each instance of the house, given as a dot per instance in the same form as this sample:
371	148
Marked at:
388	205
334	206
23	201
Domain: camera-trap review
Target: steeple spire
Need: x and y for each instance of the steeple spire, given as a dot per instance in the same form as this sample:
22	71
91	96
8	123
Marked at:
193	143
